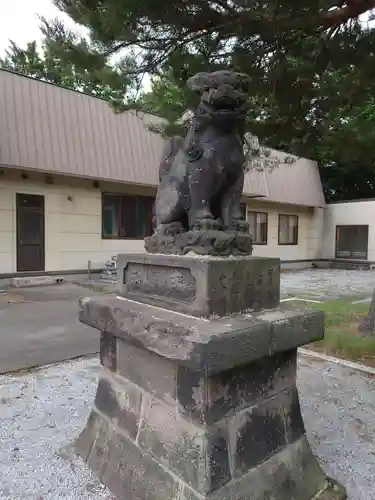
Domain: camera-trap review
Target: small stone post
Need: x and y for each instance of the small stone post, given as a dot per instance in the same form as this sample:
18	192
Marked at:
367	326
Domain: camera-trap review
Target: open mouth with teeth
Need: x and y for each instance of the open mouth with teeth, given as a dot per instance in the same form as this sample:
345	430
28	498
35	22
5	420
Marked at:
224	97
224	100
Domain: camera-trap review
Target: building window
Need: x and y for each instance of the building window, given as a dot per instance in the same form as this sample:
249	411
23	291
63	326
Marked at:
288	229
126	216
243	210
351	242
258	222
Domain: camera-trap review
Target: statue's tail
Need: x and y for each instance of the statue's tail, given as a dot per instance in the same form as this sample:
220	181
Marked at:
171	148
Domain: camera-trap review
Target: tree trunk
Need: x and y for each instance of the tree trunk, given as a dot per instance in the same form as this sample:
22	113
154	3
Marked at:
367	326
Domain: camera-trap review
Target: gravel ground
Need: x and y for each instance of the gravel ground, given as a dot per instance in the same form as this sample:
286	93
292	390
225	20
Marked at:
338	405
328	283
42	412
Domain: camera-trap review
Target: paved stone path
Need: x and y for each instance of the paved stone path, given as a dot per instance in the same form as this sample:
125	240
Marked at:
328	283
42	412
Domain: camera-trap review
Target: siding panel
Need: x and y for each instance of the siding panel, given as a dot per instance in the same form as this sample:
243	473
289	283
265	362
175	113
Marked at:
43	132
14	134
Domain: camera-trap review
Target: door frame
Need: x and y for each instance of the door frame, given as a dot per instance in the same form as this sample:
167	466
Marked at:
40	211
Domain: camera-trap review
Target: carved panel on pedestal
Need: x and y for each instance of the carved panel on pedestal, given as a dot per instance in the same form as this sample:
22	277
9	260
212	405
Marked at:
175	283
238	288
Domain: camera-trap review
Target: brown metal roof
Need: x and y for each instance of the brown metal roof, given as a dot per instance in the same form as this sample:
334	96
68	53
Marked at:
298	183
52	129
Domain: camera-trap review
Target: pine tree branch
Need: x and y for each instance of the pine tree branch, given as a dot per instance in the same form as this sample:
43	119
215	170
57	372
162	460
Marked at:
351	10
156	36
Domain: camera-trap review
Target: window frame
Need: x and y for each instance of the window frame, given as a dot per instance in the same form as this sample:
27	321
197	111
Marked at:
243	208
118	215
341	226
294	243
255	212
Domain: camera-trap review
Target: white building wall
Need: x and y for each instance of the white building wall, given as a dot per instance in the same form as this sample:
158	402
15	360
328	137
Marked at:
309	231
72	224
7	230
347	214
73	215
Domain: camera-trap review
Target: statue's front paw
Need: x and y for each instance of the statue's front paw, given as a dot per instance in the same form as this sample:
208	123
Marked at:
171	229
206	224
239	226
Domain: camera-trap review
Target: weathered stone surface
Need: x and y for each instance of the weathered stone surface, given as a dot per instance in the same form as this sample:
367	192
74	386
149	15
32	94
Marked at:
201	397
199	455
208	457
210	398
98	457
218	455
87	437
293	473
125	469
262	430
333	491
200	286
187	428
294	426
121	403
154	374
209	346
175	443
131	473
260	436
108	353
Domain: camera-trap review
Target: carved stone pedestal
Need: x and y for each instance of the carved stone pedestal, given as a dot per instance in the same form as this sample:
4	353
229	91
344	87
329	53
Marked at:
192	405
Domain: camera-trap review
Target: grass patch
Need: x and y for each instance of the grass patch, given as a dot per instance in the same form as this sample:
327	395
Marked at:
342	338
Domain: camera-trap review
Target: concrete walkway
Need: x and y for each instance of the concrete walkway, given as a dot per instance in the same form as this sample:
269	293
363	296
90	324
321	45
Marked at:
40	326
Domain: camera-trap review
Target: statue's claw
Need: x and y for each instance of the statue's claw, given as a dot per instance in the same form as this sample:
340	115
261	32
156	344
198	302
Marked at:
206	223
239	226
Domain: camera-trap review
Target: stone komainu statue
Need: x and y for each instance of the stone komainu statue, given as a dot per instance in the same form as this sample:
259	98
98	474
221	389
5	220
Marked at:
201	176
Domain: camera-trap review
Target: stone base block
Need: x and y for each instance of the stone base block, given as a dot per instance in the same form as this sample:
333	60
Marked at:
161	431
192	408
31	281
132	474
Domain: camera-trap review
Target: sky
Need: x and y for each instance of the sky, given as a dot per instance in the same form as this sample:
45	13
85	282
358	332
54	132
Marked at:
19	21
